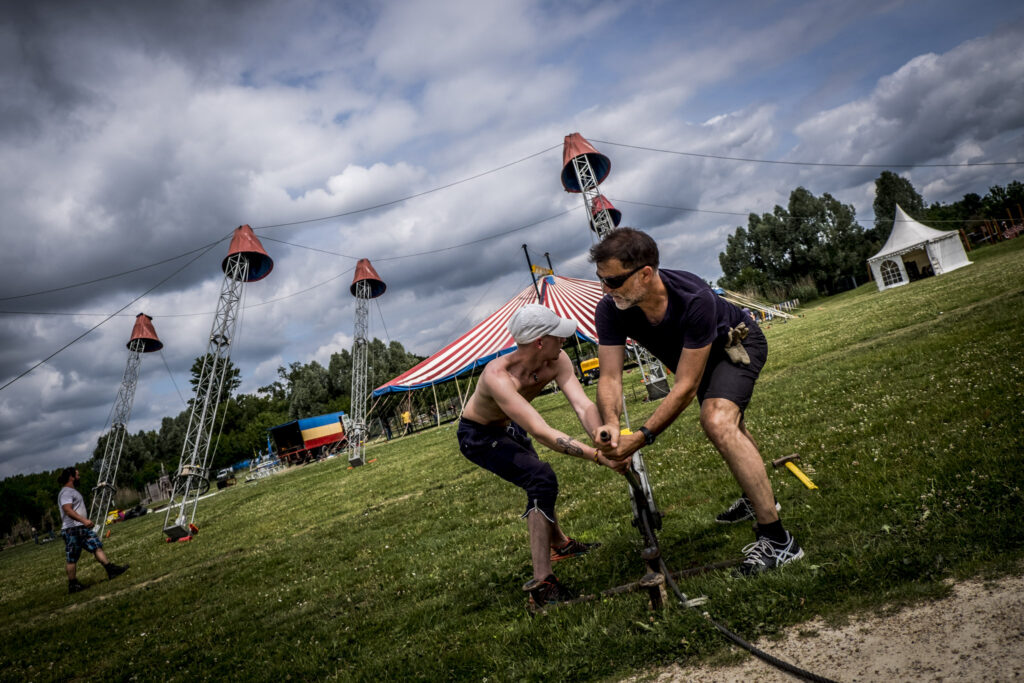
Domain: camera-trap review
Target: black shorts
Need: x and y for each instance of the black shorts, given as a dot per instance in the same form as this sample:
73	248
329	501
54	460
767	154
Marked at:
723	379
508	453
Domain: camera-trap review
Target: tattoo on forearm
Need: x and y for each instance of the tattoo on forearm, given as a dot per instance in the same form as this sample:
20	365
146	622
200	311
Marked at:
569	446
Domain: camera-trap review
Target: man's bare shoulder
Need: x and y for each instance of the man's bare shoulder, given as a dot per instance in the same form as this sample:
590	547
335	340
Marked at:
494	372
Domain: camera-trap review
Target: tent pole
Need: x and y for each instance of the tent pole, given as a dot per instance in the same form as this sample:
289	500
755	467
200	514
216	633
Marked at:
370	411
967	242
465	397
458	391
437	409
469	388
532	275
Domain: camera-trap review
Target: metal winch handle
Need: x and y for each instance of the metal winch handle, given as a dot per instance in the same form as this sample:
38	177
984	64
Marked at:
640	485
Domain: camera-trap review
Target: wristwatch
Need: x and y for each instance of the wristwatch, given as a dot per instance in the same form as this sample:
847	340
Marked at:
648	437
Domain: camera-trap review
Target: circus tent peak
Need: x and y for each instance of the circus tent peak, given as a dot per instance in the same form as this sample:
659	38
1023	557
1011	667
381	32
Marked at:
569	297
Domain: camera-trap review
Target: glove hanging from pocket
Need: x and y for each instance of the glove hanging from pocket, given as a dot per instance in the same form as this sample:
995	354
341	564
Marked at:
734	345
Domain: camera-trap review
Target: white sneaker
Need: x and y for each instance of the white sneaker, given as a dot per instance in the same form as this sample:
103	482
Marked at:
765	554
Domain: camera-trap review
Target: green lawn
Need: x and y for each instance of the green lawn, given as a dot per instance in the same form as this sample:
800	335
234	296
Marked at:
905	407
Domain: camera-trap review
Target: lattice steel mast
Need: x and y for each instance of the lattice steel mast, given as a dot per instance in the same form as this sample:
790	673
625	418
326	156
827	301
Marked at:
366	285
583	169
143	340
246	261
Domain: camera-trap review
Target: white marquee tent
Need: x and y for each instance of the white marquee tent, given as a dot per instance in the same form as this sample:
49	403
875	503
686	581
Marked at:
914	250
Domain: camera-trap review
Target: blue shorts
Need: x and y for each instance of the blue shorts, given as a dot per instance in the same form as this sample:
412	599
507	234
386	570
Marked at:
723	379
508	453
78	538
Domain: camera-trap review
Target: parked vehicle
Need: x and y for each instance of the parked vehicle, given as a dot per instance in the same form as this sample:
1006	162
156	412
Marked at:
310	438
225	478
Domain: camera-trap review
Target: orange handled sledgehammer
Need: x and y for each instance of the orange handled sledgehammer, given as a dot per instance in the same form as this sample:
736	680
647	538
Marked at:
788	462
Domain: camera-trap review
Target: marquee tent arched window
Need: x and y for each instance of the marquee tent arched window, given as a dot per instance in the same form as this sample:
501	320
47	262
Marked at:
890	273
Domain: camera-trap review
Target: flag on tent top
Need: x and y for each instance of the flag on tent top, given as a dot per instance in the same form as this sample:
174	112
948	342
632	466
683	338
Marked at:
566	296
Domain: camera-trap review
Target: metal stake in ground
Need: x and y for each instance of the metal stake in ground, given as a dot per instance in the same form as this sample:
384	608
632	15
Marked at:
647	520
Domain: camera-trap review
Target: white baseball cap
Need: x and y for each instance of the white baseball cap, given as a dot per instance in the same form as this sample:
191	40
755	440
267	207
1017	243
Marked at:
533	321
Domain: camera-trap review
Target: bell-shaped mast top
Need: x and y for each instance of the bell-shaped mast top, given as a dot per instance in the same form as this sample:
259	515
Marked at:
601	203
144	330
365	271
576	145
246	243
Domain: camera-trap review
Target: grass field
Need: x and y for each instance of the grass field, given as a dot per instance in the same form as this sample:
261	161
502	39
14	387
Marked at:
905	406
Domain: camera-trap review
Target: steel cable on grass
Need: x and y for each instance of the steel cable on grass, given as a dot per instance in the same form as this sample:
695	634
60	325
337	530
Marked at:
645	524
752	649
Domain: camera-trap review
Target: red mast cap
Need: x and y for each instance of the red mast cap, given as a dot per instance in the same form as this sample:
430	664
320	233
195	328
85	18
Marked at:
365	271
144	330
601	203
245	242
576	145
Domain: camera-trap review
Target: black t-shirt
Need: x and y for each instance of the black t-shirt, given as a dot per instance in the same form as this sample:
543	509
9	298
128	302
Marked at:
695	317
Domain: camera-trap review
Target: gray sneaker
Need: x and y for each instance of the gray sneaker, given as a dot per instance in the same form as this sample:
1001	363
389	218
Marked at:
740	511
765	554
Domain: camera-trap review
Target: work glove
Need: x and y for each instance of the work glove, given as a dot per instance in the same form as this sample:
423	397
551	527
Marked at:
734	345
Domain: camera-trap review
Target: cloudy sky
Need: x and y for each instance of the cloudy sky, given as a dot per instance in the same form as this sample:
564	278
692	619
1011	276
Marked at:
135	135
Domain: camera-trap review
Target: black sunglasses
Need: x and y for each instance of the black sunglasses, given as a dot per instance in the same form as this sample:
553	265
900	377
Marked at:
616	281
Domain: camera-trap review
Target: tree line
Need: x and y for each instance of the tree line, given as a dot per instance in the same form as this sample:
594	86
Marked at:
29	501
814	245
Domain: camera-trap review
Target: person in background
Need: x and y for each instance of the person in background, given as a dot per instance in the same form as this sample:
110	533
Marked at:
77	531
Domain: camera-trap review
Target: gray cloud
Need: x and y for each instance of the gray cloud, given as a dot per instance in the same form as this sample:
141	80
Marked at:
132	133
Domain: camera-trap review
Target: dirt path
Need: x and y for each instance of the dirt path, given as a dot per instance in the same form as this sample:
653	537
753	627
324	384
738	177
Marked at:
977	634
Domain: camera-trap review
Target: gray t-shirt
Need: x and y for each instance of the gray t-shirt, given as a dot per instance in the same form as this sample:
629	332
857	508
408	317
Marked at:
70	495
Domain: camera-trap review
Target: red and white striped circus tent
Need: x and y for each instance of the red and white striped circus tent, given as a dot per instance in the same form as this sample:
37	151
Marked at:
569	297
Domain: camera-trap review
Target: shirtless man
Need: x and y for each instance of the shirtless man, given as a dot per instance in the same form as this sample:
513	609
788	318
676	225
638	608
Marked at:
497	423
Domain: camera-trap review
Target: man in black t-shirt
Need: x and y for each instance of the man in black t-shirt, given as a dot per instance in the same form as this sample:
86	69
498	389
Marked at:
677	317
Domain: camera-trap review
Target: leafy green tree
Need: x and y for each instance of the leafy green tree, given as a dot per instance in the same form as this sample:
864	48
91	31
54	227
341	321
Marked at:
339	371
736	257
814	239
309	391
842	246
1004	204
